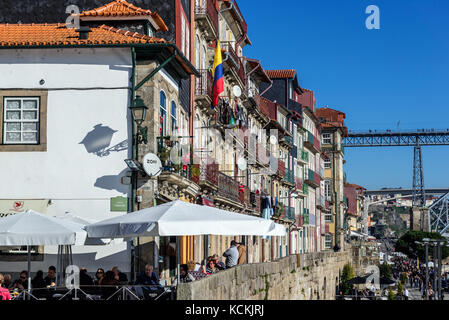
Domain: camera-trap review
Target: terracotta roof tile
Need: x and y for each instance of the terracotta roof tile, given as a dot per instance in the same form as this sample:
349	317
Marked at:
59	34
122	8
276	74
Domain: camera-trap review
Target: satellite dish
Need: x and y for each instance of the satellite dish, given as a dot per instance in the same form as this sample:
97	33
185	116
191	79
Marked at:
237	91
152	165
241	163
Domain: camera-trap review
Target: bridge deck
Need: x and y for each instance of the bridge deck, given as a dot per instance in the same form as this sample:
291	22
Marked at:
390	138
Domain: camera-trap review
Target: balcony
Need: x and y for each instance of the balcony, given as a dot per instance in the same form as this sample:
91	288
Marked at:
205	175
299	185
286	141
175	167
235	19
305	216
305	189
255	202
294	152
281	168
235	68
313	179
206	18
245	197
321	202
262	155
312	142
299	220
228	188
303	156
203	89
289	213
289	177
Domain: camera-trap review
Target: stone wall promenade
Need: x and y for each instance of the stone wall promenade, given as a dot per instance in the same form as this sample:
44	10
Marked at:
297	277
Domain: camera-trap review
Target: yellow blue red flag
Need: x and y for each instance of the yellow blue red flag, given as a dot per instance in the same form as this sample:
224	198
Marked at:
217	75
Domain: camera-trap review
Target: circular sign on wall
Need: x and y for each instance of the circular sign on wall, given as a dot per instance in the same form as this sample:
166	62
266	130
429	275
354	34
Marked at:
152	165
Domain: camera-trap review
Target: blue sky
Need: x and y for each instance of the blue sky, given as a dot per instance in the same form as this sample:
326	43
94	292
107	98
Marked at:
377	77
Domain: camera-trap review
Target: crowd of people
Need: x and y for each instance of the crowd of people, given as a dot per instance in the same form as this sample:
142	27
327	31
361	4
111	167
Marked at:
414	275
235	255
105	283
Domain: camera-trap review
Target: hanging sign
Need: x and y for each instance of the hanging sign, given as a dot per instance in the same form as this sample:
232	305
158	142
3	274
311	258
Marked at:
10	206
119	204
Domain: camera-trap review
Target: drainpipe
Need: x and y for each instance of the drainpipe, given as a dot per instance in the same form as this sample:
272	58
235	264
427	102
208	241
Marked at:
133	156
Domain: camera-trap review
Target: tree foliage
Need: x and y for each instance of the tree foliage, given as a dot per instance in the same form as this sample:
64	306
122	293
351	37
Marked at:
385	271
406	244
346	275
391	295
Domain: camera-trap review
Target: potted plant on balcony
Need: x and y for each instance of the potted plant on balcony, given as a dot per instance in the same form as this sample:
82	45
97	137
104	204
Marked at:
278	209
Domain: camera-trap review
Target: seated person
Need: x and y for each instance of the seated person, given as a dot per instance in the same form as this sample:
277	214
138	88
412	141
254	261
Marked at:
50	279
109	285
86	281
147	281
120	276
148	277
4	293
38	280
7	281
210	267
99	275
22	282
218	264
184	275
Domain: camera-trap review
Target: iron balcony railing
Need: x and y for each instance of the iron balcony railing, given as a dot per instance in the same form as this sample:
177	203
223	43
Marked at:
304	155
305	189
281	168
289	176
203	84
173	157
228	187
305	215
206	173
288	139
207	8
289	213
294	152
244	196
298	184
228	46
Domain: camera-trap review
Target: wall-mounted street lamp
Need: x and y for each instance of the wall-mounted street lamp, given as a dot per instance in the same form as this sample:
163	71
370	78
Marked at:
139	112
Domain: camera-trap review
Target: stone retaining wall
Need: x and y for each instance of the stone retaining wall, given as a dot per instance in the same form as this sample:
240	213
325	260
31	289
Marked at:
309	276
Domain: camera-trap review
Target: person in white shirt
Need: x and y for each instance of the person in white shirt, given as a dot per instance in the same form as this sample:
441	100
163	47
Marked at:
406	294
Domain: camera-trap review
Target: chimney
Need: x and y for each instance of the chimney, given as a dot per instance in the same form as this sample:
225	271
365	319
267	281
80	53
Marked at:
84	32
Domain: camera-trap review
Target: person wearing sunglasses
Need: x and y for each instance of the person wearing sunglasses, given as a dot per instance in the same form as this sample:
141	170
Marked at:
22	282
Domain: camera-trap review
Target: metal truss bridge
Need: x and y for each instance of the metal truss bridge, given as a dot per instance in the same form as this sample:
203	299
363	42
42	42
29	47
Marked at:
439	211
388	138
405	191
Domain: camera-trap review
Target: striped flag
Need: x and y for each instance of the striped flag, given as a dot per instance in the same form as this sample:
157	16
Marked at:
217	75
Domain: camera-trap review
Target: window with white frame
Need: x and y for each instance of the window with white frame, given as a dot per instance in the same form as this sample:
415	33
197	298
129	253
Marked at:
326	138
327	164
328	217
328	241
21	120
163	119
327	189
173	118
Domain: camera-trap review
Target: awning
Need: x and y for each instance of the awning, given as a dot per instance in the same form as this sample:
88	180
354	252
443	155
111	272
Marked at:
179	218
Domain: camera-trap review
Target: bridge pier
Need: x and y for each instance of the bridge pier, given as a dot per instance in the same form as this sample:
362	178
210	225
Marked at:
419	219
